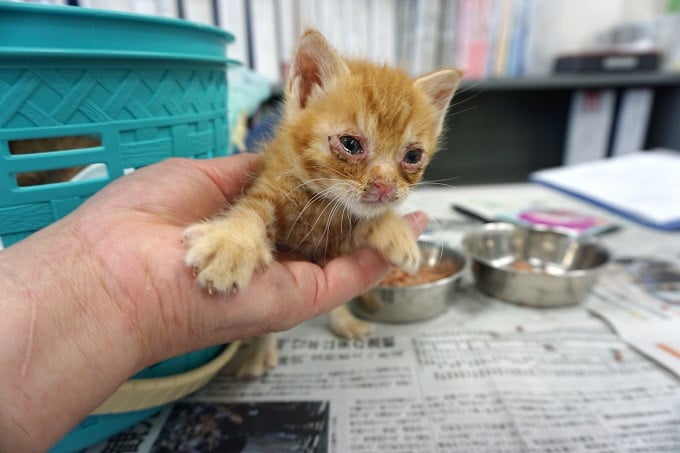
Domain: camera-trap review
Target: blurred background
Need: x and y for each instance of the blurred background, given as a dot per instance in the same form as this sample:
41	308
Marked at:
485	38
548	82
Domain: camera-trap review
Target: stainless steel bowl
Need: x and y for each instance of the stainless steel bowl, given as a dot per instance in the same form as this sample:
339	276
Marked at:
400	304
537	266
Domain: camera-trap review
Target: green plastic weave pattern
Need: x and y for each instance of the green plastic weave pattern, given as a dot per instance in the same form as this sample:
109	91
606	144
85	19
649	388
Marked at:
68	72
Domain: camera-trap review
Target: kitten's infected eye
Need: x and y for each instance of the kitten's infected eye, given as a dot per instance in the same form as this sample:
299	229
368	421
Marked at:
413	156
351	149
351	144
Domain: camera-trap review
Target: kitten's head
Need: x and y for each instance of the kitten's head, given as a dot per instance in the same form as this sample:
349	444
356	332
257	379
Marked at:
363	134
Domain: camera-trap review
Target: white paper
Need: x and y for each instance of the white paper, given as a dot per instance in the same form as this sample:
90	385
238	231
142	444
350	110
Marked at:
645	185
590	120
632	120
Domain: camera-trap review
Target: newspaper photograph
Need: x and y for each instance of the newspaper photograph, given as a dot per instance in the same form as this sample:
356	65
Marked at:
640	298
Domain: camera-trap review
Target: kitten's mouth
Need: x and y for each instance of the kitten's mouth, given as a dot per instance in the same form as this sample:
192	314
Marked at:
379	193
383	200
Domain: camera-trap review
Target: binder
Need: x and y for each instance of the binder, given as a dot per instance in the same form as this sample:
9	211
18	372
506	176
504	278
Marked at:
642	186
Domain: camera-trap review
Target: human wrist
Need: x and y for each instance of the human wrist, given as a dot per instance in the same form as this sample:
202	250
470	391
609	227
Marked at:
61	353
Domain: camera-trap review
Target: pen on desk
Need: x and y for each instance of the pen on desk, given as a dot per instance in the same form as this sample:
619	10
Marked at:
470	214
611	228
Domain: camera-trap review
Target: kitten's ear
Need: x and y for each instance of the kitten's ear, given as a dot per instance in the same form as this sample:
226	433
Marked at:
315	65
438	88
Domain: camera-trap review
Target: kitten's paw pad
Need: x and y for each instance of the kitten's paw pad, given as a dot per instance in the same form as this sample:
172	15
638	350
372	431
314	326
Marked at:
257	362
346	327
221	259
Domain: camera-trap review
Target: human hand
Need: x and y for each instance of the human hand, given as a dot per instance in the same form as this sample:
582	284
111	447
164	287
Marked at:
134	228
104	292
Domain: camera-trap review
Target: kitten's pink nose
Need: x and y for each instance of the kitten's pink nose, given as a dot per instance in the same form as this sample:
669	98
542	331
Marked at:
380	191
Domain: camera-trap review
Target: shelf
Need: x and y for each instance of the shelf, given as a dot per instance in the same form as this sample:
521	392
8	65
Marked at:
574	81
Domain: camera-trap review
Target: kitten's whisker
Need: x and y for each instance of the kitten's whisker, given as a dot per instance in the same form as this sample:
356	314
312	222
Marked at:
316	197
310	181
315	180
344	176
436	182
461	111
310	202
470	86
435	225
327	232
316	221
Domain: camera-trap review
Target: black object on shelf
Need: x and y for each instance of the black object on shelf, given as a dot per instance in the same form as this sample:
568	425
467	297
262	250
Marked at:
608	62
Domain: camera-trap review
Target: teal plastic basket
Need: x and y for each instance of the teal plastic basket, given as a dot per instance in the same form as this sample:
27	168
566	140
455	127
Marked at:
97	428
147	88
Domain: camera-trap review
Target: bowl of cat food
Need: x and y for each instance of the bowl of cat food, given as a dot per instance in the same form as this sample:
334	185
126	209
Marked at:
538	266
400	297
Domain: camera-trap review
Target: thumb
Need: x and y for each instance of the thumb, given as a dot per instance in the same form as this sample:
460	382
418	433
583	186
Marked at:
348	276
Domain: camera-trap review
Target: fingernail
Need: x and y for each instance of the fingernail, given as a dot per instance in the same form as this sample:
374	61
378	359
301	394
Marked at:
419	221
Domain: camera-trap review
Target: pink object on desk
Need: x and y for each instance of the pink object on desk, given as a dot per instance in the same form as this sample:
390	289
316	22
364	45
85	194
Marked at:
559	218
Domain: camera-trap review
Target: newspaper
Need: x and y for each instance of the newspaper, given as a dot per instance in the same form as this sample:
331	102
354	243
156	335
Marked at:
484	376
532	380
640	298
443	391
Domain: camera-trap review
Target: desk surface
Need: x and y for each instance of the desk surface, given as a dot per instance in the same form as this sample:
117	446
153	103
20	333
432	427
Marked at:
484	376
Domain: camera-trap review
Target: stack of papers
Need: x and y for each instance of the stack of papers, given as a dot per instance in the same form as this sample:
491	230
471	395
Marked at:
644	186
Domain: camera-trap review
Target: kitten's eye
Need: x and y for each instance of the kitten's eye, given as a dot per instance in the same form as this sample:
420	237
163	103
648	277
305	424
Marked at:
351	144
413	156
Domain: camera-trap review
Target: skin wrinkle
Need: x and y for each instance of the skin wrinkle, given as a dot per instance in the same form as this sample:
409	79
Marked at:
169	321
183	295
130	314
185	287
31	334
320	286
84	311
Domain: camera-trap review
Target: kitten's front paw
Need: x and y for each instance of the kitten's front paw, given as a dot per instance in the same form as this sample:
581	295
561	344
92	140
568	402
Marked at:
395	243
405	255
224	257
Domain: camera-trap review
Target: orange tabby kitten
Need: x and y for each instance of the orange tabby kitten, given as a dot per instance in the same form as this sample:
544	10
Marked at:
353	140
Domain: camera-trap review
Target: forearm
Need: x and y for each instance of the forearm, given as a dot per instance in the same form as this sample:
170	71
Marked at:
59	329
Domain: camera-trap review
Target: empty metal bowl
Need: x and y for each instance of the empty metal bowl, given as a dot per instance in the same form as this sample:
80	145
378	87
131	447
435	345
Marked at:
399	304
537	266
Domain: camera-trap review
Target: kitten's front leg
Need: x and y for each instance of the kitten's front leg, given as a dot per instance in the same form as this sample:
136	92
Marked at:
390	235
225	252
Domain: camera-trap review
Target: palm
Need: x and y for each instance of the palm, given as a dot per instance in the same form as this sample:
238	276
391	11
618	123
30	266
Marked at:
137	234
135	229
